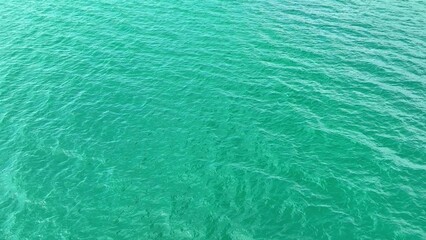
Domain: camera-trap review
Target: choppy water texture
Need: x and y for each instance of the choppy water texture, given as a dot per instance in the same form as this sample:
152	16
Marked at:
213	119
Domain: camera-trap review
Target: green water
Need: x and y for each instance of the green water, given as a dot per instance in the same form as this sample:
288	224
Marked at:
213	119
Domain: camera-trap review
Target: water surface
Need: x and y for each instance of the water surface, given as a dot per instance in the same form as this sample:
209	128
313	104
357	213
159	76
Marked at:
213	120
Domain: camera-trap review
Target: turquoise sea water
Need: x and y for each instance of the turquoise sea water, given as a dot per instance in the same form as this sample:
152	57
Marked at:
213	119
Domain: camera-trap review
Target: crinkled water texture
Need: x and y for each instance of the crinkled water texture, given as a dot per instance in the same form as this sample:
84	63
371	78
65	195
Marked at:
213	119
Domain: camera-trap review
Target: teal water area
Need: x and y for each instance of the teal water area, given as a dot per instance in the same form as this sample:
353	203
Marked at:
213	119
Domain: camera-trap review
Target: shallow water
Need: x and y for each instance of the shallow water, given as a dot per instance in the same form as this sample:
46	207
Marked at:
213	120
